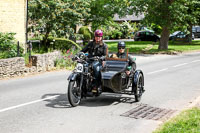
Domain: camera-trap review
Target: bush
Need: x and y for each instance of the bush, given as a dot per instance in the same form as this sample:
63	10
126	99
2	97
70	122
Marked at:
53	44
87	35
127	29
114	30
8	46
62	44
116	34
156	28
66	60
83	30
79	36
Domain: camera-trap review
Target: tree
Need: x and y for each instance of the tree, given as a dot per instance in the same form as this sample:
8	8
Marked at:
168	14
57	17
103	11
193	14
8	47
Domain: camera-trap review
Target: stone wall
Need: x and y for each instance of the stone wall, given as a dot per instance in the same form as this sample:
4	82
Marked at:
45	62
14	67
13	18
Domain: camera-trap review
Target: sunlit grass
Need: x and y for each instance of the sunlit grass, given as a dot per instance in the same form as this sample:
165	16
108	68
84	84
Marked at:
186	122
152	48
134	47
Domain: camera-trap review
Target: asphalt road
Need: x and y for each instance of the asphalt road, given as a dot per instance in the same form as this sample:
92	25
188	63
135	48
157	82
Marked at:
38	104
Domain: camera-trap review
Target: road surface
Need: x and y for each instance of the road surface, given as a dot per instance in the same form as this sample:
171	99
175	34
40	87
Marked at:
38	104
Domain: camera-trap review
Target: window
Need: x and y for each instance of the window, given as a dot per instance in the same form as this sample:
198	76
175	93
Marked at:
198	29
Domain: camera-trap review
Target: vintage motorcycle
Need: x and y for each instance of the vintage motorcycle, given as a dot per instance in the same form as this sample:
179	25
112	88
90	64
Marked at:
113	79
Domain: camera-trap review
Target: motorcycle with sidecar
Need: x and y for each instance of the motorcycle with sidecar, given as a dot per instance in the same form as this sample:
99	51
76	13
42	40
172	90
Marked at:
114	79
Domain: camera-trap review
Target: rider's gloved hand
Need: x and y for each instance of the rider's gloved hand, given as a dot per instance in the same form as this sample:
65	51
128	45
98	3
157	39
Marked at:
96	58
102	58
75	58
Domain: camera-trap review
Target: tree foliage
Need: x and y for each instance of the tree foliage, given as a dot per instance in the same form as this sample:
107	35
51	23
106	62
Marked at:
57	17
8	46
170	15
103	11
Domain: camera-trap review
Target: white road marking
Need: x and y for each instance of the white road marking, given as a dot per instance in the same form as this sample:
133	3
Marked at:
195	61
21	105
180	65
173	66
157	71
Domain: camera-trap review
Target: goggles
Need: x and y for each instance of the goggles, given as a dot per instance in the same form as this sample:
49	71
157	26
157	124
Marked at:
121	47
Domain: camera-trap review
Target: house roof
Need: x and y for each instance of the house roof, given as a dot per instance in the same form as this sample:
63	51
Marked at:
128	17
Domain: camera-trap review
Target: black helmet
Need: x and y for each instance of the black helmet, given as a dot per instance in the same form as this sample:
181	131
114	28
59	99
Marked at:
121	45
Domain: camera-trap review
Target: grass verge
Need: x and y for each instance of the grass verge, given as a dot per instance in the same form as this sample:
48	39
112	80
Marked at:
152	48
187	121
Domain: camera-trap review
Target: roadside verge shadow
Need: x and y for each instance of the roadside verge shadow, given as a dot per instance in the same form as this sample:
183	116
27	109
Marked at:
59	101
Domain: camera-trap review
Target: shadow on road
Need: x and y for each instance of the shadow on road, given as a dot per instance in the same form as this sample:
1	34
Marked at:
58	102
61	100
107	99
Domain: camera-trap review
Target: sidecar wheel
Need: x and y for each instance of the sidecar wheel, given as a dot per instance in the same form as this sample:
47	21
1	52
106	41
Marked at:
74	93
138	87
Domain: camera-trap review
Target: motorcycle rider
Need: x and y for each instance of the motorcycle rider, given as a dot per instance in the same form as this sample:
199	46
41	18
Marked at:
121	54
96	48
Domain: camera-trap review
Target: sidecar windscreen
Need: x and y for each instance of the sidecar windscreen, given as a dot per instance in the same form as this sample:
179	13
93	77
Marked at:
113	74
114	56
115	65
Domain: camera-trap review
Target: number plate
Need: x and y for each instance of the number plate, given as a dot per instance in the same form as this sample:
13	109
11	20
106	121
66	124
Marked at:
79	67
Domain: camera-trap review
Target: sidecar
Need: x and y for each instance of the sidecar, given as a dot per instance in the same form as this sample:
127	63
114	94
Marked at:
115	80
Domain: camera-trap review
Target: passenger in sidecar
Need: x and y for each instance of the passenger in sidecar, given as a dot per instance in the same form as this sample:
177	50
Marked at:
119	74
121	54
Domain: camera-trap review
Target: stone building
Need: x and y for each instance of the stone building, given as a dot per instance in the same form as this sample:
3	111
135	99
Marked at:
13	18
132	18
117	18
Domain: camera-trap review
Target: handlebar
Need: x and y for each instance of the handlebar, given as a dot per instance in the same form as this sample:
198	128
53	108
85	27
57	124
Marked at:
86	59
96	58
83	57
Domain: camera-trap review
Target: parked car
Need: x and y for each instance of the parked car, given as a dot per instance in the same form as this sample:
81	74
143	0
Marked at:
196	31
146	36
180	35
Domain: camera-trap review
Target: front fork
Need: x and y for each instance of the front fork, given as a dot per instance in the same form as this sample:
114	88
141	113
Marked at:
130	78
81	81
77	77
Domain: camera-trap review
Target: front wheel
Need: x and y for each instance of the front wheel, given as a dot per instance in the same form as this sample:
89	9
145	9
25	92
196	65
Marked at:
138	87
74	93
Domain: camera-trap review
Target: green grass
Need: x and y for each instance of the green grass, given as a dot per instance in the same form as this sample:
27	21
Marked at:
186	122
134	47
152	48
26	56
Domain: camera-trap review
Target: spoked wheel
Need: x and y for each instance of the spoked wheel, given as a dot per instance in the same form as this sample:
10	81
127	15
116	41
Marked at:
74	93
138	88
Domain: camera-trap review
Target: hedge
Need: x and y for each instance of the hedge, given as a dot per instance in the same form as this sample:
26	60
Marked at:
62	43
